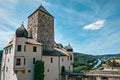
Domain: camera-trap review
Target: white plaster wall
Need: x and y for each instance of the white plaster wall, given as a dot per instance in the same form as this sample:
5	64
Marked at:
9	75
53	73
65	63
29	55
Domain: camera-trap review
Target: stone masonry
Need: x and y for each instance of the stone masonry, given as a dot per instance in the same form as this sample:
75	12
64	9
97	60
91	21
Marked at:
41	27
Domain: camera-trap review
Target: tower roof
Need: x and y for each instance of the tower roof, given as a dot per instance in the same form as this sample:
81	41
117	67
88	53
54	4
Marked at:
21	31
69	48
42	9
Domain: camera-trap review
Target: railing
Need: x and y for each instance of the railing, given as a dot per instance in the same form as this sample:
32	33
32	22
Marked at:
114	75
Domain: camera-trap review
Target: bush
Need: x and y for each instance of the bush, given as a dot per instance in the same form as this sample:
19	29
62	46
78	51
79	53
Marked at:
39	70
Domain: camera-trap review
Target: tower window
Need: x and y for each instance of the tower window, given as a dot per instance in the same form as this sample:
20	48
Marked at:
19	48
51	60
18	61
34	49
33	60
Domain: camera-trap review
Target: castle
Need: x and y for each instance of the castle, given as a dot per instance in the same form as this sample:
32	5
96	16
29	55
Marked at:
36	43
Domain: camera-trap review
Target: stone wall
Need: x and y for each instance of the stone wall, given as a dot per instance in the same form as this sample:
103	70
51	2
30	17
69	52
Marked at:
42	26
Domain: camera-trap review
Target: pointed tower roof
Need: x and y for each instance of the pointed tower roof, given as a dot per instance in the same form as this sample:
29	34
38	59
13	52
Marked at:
42	9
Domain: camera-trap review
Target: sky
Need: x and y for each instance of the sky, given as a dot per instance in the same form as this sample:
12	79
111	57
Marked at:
89	26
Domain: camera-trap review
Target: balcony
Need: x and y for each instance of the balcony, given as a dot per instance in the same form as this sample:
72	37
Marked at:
17	69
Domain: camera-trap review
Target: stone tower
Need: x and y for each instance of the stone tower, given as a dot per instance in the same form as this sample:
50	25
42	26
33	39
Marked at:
41	27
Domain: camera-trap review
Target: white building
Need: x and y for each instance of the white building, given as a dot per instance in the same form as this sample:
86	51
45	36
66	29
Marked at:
29	46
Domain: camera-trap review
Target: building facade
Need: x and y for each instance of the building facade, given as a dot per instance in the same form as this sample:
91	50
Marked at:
36	43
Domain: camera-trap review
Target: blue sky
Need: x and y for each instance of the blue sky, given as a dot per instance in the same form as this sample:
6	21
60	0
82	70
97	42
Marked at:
90	26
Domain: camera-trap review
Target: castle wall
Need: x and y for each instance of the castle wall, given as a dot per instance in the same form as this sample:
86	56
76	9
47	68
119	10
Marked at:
53	70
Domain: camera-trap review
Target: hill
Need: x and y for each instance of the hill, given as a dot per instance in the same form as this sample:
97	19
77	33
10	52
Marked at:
81	59
109	56
83	62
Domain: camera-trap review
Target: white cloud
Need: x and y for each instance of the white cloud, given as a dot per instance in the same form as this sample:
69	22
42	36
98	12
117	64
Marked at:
95	26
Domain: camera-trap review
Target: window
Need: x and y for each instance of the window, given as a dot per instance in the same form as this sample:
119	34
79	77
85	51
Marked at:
10	50
19	48
51	60
69	67
24	47
6	69
6	51
29	70
18	60
8	59
70	57
34	49
24	61
33	60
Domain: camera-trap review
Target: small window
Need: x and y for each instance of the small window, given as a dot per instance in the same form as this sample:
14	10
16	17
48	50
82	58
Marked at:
19	48
10	50
69	67
8	59
6	69
70	57
33	60
34	49
29	70
18	60
24	61
24	47
51	60
6	51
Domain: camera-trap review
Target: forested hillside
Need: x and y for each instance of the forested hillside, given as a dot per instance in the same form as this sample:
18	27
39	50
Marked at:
84	62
